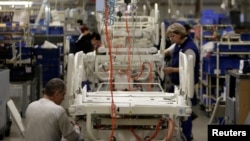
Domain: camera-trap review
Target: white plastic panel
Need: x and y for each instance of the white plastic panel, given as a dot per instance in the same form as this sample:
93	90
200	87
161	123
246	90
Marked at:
16	116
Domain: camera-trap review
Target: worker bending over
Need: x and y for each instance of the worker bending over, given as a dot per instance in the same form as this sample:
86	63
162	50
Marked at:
46	120
87	41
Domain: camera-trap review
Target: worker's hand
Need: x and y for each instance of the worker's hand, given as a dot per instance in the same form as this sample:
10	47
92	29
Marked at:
166	52
76	125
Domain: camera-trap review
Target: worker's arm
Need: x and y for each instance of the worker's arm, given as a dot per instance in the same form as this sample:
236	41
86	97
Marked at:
75	135
169	70
190	52
169	51
70	131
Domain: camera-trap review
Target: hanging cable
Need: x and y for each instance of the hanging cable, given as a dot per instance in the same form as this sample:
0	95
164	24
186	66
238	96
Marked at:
157	129
136	136
150	74
170	130
113	108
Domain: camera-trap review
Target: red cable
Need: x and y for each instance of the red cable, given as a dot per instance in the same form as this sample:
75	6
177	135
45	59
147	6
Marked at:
157	129
170	133
136	136
150	77
113	108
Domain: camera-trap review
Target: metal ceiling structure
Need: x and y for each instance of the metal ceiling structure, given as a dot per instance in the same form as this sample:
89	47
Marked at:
182	6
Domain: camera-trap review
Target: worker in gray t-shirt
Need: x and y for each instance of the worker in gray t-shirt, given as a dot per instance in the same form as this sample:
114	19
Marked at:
46	120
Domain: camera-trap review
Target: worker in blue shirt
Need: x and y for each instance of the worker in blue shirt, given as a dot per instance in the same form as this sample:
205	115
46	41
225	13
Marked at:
182	43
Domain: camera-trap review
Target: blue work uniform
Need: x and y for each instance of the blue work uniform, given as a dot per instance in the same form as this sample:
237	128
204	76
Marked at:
188	44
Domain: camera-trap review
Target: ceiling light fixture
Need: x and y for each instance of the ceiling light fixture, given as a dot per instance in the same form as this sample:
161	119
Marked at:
26	3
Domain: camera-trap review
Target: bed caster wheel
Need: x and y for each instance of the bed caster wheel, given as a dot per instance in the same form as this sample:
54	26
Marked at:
113	138
146	138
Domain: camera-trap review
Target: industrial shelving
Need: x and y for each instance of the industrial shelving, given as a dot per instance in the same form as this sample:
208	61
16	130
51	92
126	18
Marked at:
15	36
233	49
13	33
212	80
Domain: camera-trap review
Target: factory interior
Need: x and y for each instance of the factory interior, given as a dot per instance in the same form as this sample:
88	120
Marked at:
120	89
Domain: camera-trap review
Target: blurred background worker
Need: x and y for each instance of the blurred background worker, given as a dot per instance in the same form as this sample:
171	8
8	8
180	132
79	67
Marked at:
182	43
82	39
87	41
95	40
47	120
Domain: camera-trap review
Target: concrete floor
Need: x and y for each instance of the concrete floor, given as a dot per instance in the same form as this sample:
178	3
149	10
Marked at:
200	124
199	127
